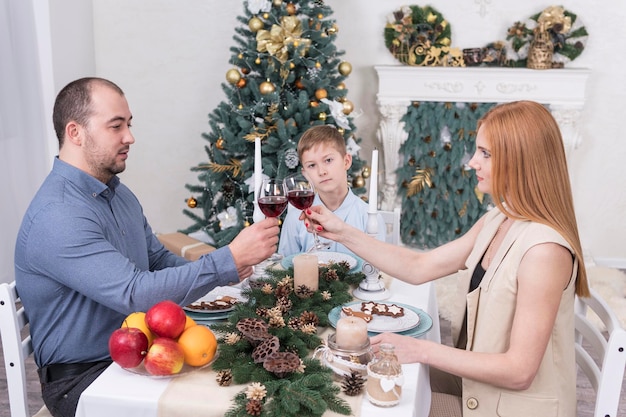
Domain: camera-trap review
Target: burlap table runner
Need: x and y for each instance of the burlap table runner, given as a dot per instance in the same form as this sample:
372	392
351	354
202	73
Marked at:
199	394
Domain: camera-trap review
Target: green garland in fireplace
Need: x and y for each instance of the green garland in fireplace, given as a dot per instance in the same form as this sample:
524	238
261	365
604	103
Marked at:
440	201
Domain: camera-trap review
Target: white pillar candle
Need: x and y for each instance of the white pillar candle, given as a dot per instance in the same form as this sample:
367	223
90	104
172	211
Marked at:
306	271
351	333
373	199
258	167
257	214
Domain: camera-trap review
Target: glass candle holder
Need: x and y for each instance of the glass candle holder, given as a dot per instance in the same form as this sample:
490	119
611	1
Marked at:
345	361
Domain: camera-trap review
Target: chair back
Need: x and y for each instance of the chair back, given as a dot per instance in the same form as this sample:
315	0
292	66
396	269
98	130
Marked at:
607	374
15	350
392	221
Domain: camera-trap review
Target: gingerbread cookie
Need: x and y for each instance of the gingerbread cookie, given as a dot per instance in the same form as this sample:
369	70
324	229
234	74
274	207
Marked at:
349	312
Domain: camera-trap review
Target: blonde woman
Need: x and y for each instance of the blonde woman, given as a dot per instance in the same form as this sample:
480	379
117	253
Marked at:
518	269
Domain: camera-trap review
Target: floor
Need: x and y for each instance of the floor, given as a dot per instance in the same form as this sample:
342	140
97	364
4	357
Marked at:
586	393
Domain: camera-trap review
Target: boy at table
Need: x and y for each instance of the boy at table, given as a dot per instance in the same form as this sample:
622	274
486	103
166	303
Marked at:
86	256
325	162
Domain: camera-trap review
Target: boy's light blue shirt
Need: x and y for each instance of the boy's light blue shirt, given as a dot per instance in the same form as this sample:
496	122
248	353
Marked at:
294	238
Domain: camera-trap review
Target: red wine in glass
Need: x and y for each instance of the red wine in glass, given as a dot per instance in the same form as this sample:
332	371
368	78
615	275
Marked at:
301	193
273	206
301	199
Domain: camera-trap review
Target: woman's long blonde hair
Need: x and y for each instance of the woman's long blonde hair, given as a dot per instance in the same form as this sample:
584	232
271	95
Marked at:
529	172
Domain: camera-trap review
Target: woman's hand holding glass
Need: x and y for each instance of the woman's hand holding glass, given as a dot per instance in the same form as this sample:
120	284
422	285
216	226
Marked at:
301	193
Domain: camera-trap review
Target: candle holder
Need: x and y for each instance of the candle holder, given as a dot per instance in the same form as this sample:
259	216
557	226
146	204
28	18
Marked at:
344	361
372	288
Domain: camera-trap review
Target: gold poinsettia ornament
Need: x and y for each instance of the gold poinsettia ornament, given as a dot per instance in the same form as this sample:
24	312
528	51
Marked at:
276	41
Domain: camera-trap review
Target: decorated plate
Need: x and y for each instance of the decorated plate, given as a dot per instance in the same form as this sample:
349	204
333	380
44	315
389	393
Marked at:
324	258
141	369
414	323
217	302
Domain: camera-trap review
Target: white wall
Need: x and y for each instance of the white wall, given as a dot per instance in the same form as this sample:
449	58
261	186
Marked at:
170	57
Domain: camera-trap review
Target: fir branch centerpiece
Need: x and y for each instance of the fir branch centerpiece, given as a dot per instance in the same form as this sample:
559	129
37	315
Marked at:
267	340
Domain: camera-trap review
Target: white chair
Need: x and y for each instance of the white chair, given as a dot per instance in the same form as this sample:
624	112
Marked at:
392	220
15	351
607	378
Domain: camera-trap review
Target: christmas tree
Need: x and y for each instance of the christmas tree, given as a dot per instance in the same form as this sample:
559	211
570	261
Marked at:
287	76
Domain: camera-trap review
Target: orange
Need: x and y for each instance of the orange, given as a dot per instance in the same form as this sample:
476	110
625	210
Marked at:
138	320
199	345
190	322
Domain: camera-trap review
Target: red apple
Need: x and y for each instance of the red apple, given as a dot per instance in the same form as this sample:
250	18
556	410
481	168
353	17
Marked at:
166	319
128	346
165	357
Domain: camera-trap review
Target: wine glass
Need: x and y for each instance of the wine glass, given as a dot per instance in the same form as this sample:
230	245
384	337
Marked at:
272	202
301	193
272	199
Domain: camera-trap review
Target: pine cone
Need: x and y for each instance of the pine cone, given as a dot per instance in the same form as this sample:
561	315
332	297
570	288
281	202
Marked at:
303	291
353	384
224	377
283	291
294	323
331	275
284	304
309	317
254	407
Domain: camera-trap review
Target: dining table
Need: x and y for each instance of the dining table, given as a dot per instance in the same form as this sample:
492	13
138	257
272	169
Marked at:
121	393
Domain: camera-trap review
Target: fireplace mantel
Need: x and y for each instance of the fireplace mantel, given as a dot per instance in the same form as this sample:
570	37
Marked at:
562	90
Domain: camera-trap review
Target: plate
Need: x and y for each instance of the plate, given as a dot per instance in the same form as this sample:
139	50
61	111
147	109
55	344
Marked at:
141	369
424	324
204	318
215	295
327	257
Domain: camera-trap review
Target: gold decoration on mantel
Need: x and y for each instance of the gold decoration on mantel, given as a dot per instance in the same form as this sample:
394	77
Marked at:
541	49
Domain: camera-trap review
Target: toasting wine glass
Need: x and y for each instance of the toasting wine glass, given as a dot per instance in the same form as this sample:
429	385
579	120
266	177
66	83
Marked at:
272	202
272	199
301	193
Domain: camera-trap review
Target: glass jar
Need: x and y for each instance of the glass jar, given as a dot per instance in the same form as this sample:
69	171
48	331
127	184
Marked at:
343	362
384	378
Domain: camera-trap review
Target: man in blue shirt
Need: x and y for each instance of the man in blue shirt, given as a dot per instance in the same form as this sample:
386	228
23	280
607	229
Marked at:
86	256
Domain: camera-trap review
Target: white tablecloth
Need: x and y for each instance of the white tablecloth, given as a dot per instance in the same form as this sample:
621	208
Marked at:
119	393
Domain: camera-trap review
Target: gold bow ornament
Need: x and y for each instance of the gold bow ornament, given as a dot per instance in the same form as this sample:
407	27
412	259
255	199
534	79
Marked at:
277	40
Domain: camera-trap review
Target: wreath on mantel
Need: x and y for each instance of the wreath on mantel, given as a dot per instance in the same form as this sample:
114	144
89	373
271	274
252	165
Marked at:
421	36
569	36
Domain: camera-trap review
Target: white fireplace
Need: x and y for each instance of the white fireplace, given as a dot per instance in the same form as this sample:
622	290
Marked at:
562	90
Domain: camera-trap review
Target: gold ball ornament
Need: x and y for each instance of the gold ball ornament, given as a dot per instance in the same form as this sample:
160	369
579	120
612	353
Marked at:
266	15
341	86
347	107
291	9
366	172
220	144
341	130
246	223
255	24
242	83
321	93
318	65
322	116
267	87
314	103
257	61
333	30
240	106
245	70
240	56
345	68
277	3
233	76
192	202
358	182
